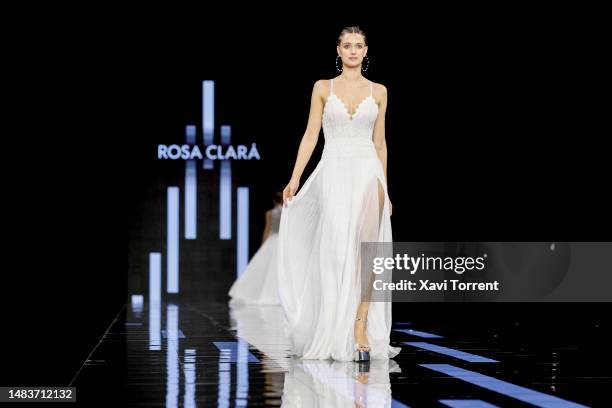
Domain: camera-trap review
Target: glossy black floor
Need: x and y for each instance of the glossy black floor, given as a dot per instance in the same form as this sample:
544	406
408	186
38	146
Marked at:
554	355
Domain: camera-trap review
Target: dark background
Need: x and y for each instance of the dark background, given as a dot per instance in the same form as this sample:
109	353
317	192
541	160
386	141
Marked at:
493	132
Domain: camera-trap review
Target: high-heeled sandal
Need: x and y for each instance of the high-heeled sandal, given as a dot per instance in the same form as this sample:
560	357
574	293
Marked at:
362	351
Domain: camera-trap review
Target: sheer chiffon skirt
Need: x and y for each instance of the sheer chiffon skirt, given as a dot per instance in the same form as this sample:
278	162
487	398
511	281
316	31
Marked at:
343	203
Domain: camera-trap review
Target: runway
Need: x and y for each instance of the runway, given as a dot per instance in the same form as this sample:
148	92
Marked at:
206	354
196	222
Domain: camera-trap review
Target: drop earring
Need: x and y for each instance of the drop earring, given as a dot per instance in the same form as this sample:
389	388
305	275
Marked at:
367	60
338	67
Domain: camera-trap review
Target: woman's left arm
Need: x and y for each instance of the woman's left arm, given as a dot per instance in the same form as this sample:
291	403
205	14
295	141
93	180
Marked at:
380	142
379	127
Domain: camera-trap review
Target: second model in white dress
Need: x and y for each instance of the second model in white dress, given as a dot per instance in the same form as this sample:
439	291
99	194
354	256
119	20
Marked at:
320	233
258	284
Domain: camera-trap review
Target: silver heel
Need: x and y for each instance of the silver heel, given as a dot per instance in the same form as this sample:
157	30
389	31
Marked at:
361	355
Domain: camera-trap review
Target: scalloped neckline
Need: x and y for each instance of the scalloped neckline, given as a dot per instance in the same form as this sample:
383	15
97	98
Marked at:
350	117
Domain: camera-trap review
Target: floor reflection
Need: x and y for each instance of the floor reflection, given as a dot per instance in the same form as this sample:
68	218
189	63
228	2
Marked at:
309	383
327	383
204	354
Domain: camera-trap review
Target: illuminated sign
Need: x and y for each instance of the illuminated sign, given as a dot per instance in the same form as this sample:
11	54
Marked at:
212	152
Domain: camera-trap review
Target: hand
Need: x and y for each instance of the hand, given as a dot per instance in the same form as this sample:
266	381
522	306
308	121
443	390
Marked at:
390	208
290	190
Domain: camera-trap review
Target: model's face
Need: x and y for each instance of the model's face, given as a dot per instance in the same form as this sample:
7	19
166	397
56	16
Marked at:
352	49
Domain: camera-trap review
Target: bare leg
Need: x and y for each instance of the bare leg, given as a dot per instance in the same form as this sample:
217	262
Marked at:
360	326
362	310
381	200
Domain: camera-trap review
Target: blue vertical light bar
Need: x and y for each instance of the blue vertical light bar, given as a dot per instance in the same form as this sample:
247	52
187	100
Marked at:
242	230
154	278
225	201
173	240
225	378
191	185
226	134
190	134
225	190
137	302
242	373
155	327
155	301
208	117
189	368
172	359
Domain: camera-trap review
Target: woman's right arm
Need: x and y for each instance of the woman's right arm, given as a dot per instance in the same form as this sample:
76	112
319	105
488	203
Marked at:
309	140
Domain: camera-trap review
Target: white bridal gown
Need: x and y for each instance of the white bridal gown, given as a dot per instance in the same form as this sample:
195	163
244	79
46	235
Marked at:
319	240
258	284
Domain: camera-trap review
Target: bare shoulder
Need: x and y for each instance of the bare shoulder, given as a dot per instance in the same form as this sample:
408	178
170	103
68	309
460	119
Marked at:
379	92
321	88
379	89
